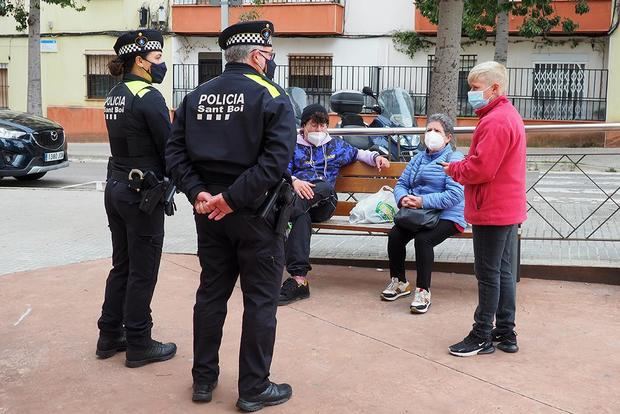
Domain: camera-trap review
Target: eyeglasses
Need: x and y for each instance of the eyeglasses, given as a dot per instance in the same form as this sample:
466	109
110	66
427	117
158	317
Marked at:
273	54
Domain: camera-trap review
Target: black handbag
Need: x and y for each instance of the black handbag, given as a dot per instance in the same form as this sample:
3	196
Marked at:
416	219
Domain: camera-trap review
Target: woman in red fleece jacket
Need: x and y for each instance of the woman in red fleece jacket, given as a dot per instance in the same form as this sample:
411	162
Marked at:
493	175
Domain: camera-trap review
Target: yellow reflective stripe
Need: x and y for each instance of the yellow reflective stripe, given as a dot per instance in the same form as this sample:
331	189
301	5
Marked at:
139	88
261	81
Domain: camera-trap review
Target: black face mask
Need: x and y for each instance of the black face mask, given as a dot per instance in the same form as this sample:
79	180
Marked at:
270	69
158	71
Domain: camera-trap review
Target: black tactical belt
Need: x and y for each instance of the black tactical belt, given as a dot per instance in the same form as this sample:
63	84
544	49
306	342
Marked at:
135	178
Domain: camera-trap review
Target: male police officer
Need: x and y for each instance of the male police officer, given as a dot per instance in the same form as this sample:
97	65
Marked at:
231	142
138	124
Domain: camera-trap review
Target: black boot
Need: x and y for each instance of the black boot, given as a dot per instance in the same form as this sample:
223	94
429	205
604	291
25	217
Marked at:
108	346
150	351
274	394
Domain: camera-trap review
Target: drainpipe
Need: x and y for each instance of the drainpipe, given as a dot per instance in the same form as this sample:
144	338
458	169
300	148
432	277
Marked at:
224	24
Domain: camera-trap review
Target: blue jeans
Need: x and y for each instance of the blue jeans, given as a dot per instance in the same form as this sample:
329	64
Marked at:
494	253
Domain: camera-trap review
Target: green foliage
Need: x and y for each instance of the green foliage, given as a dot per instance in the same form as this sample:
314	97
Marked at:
252	14
17	9
409	42
478	15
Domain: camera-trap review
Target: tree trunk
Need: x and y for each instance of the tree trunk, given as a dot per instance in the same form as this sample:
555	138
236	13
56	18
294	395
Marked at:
501	33
445	71
34	58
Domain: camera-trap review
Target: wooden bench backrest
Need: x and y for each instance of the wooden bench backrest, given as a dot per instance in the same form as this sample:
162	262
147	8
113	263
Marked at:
361	178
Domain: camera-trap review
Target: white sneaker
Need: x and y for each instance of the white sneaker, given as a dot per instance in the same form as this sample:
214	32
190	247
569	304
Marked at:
395	289
421	301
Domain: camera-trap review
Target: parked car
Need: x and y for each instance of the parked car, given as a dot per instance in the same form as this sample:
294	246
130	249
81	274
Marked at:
30	146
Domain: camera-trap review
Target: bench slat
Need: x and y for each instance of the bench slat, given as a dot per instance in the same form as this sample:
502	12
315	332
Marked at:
359	169
339	222
362	184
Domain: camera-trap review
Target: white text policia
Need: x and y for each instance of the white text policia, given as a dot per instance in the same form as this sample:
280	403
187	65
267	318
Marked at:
221	103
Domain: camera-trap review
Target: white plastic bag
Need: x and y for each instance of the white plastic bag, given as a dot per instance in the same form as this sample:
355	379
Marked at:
379	207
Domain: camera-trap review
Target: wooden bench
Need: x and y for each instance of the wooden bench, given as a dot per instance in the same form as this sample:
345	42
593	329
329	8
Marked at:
359	178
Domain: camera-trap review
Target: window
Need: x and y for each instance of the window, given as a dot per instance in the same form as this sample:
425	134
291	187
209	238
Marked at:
209	66
558	91
467	63
314	75
4	85
98	78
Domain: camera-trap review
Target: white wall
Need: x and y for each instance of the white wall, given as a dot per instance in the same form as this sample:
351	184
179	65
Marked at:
372	17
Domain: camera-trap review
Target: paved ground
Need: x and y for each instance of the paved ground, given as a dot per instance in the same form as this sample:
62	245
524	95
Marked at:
343	350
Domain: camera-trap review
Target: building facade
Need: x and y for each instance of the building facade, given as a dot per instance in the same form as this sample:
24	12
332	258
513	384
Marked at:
322	46
75	50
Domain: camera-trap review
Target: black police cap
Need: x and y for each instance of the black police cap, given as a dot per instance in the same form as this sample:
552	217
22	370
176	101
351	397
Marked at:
138	41
256	32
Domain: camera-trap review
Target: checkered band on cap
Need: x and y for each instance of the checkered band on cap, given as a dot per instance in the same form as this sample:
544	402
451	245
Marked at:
133	48
248	39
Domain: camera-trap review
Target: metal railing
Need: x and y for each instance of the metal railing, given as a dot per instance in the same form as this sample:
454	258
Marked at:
572	195
550	93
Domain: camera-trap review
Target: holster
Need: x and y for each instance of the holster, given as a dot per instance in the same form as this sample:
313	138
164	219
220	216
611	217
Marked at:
152	192
279	201
169	206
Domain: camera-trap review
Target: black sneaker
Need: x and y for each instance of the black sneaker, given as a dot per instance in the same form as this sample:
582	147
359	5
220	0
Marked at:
274	394
472	345
292	291
152	351
507	342
203	392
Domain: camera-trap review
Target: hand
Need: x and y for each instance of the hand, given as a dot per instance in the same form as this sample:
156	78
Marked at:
411	201
218	208
200	204
445	166
382	162
303	189
416	201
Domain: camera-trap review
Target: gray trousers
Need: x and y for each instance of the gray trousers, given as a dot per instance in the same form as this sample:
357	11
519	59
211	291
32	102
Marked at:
494	253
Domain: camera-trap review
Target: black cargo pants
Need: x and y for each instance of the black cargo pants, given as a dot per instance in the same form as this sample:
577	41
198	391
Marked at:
137	241
244	245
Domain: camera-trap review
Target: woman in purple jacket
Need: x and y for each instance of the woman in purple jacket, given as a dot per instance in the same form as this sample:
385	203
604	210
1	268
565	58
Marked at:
424	184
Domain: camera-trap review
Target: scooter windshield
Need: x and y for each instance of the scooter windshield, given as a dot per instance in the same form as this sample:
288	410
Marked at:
397	106
299	100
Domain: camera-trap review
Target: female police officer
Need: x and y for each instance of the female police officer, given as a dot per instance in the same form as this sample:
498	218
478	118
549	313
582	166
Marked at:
138	124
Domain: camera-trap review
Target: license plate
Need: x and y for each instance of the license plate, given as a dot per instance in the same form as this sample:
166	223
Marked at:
54	156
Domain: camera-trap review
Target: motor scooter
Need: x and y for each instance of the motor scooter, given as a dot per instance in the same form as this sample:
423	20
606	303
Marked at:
348	104
395	110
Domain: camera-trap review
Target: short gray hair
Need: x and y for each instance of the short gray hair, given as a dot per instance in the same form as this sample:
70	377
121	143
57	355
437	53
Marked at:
238	53
446	123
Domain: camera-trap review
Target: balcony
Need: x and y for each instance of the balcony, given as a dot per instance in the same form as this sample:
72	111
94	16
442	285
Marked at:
290	17
596	21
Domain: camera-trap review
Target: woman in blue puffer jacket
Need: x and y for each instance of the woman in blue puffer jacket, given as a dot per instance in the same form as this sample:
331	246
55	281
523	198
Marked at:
424	184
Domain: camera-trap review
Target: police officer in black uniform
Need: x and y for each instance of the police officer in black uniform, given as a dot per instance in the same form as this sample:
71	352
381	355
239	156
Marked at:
231	143
138	124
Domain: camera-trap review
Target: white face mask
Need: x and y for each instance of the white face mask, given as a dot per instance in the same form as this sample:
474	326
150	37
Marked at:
434	141
316	138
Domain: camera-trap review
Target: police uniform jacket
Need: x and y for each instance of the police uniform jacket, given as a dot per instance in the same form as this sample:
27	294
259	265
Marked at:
138	123
236	131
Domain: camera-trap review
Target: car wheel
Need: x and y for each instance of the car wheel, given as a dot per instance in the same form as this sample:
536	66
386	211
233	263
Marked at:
30	177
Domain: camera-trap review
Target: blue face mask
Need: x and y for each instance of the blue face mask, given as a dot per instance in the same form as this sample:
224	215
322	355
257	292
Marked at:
476	99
